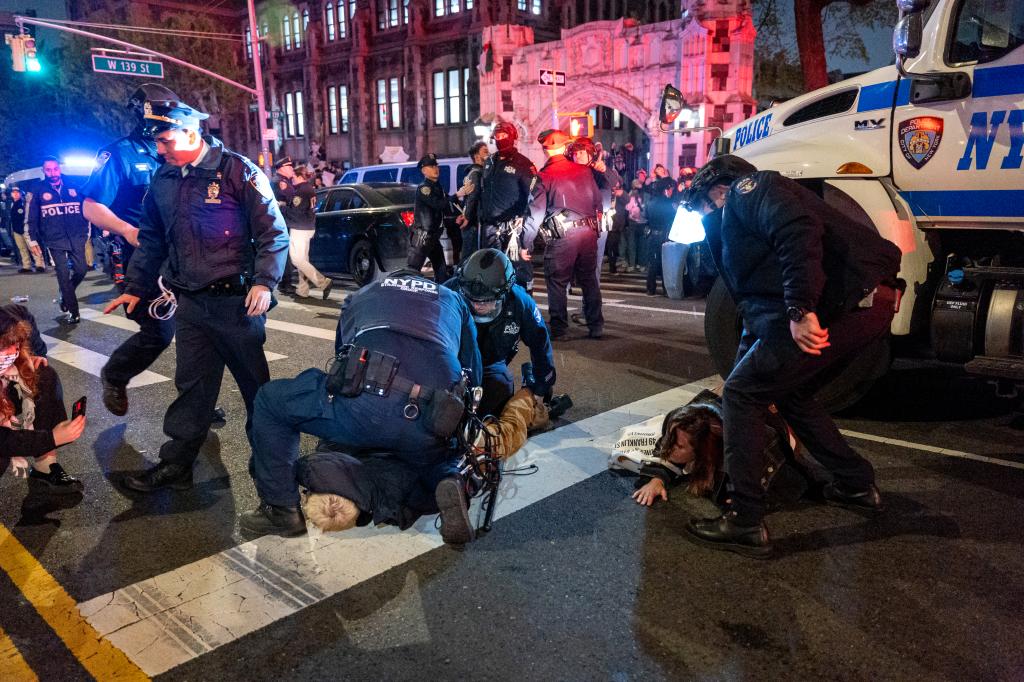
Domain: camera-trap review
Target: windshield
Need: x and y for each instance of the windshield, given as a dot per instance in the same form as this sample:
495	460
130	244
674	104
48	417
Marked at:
397	195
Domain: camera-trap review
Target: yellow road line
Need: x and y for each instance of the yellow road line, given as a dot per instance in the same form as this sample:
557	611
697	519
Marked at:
102	659
12	665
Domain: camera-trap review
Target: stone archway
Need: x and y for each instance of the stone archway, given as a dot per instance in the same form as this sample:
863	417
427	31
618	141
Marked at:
624	66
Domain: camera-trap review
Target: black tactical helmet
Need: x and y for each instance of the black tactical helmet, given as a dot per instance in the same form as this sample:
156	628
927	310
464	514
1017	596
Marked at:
581	144
484	280
149	92
507	128
722	170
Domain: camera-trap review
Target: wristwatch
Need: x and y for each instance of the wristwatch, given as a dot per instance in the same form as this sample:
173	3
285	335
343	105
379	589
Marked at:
796	313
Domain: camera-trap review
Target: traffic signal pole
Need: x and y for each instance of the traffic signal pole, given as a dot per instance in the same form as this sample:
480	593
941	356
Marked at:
256	92
261	99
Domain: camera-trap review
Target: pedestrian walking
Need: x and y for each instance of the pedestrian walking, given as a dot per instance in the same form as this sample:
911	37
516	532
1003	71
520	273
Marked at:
212	230
27	255
300	215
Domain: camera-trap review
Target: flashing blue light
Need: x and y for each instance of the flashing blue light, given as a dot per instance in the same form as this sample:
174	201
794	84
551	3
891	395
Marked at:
78	162
687	227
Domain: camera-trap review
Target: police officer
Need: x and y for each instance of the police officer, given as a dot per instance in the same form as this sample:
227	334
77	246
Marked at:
405	341
17	221
113	202
813	287
55	222
284	193
504	315
567	205
211	229
432	205
509	179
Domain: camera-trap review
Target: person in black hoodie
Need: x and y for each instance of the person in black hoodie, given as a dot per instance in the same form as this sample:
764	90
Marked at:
33	420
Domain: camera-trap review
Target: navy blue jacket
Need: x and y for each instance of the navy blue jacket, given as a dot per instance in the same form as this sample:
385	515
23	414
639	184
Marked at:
55	216
777	244
123	172
519	319
427	327
219	221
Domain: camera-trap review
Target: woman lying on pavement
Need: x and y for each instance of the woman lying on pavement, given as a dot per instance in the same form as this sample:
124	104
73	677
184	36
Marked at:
689	451
33	420
344	491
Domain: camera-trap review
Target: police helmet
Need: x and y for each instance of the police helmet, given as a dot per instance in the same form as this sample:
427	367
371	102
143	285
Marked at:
484	280
506	128
148	92
721	170
581	144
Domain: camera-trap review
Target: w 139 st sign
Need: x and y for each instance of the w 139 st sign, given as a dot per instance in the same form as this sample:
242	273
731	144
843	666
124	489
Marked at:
129	67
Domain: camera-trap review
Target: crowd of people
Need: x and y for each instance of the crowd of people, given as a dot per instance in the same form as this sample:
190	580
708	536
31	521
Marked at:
206	237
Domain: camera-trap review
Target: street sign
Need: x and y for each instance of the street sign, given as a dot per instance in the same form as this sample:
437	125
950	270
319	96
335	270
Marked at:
102	63
270	134
547	76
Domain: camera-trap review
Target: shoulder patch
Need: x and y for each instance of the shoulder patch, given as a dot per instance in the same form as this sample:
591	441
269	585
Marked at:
282	185
537	317
47	196
262	187
73	192
102	159
296	200
424	190
746	185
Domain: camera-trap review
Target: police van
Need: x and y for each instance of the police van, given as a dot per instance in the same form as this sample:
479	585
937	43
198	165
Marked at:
929	151
453	172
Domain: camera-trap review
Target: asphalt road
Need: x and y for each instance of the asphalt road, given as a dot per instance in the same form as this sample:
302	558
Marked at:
575	582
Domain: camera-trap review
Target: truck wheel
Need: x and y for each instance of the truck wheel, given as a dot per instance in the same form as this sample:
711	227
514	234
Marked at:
361	264
722	329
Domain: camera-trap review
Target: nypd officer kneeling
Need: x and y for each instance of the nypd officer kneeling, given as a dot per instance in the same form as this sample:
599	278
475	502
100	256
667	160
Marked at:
211	228
504	314
813	287
396	388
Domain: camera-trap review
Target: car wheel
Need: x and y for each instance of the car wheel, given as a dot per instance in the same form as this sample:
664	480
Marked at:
722	330
361	264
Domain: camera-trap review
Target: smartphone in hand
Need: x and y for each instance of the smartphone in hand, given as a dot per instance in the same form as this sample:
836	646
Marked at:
79	408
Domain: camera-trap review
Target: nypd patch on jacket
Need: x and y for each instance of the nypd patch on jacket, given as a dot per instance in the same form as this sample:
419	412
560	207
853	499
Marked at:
220	220
122	175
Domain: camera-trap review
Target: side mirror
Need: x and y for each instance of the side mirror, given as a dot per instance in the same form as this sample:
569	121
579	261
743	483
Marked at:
671	105
906	38
912	6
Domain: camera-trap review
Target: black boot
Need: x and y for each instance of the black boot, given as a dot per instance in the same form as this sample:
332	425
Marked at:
56	482
163	475
725	534
115	398
456	527
268	519
868	499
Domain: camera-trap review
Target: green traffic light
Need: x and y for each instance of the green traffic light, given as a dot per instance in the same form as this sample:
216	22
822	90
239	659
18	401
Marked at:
32	65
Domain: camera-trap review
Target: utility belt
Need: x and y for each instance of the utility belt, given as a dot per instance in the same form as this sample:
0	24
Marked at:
235	285
559	225
357	370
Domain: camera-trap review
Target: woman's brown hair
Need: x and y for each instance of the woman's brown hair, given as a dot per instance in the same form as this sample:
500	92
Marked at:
16	332
703	423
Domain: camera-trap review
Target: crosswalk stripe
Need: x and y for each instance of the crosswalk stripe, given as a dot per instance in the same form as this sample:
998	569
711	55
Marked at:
121	322
12	664
236	592
91	362
303	329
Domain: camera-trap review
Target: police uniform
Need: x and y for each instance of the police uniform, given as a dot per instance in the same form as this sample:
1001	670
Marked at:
520	319
508	182
780	249
300	214
431	207
567	203
211	230
120	181
17	221
55	223
284	193
430	331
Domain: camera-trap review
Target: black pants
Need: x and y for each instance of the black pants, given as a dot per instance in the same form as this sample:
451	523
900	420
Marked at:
573	257
475	238
68	280
779	372
213	333
611	249
654	242
136	354
422	249
499	386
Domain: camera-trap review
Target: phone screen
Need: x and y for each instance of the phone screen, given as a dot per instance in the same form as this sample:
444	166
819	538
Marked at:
79	408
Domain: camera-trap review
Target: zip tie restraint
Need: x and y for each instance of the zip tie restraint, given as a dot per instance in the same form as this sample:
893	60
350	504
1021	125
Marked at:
163	306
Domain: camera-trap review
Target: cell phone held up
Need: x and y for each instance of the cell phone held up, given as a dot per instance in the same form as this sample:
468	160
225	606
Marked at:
78	409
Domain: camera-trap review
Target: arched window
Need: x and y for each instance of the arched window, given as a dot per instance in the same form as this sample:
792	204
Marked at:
330	25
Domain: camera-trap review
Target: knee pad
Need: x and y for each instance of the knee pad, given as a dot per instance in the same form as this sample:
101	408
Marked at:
329	512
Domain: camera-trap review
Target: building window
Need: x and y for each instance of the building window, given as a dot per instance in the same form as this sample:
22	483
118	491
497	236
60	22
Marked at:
295	30
616	119
506	69
248	43
506	100
300	119
342	21
351	8
305	20
330	24
443	7
535	7
343	97
450	102
286	32
521	5
289	114
332	110
389	107
263	34
387	14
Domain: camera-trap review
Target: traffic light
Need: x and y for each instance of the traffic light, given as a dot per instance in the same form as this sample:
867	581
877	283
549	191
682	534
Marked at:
17	44
581	125
31	60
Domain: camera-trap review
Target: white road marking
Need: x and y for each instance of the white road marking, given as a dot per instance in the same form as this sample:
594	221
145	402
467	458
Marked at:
303	329
91	362
122	322
947	452
170	619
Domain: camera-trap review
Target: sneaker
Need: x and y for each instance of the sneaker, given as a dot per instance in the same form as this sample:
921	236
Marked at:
163	475
456	527
115	398
57	481
269	519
